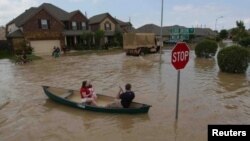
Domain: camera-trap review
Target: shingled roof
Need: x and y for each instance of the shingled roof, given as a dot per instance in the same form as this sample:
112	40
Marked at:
55	11
122	23
152	28
99	18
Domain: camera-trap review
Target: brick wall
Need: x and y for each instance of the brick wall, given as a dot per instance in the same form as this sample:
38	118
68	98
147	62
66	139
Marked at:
32	30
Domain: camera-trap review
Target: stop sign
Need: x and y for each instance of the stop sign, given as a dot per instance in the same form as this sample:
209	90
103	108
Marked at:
180	55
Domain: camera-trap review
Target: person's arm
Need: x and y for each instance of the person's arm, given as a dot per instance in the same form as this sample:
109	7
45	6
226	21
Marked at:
119	93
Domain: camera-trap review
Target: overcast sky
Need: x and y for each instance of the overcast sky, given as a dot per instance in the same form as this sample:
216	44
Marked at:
190	13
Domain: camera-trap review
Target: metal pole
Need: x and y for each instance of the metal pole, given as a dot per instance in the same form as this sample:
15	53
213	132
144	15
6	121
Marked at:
162	2
177	97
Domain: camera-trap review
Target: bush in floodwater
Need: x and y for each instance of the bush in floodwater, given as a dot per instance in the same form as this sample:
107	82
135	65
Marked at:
245	42
206	49
233	59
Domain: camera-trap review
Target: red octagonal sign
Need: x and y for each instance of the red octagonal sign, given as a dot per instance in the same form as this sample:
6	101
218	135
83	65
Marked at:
180	55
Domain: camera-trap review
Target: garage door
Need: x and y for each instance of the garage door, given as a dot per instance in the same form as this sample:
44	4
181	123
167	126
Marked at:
44	47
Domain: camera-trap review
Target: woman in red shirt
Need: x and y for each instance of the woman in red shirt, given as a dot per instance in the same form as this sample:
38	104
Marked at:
86	95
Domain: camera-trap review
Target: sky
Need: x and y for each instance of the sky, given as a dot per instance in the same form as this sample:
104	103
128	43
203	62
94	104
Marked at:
189	13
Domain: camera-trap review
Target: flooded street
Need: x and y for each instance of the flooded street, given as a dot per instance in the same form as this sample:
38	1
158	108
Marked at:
207	96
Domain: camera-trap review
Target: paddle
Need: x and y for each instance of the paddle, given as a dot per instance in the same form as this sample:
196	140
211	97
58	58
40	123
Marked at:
121	89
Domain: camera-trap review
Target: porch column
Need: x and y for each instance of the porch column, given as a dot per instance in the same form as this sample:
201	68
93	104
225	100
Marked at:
65	40
75	40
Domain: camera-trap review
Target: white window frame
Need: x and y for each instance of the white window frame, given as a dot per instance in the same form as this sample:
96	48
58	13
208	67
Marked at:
44	24
74	25
108	26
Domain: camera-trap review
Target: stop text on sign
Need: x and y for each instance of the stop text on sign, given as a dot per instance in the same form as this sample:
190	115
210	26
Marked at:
180	56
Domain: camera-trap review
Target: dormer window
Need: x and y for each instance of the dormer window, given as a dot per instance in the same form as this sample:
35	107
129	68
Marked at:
74	26
43	23
107	26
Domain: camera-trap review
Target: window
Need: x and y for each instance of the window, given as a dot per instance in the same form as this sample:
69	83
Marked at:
44	24
83	25
74	26
107	26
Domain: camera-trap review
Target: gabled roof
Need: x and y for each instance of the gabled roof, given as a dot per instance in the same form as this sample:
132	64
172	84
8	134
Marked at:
24	16
152	28
99	18
55	11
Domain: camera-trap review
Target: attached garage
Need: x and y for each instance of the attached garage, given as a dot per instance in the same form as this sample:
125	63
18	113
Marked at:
44	47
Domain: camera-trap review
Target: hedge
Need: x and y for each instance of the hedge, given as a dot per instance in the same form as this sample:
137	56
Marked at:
206	49
233	59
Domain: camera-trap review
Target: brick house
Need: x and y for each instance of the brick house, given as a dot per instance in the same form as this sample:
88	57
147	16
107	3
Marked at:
46	26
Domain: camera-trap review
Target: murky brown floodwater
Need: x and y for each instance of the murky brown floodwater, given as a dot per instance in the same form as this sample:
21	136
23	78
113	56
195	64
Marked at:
207	96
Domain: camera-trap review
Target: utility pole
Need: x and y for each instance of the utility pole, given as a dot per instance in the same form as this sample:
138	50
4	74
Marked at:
161	40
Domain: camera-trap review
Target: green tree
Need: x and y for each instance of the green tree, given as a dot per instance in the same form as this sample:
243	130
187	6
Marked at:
239	32
99	38
87	37
118	38
223	34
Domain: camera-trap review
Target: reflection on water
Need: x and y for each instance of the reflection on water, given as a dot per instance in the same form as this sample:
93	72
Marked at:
207	96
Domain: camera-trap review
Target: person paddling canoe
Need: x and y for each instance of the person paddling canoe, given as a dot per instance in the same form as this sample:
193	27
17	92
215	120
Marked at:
126	98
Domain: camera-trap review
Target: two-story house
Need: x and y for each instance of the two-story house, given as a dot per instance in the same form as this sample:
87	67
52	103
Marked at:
106	23
45	27
109	25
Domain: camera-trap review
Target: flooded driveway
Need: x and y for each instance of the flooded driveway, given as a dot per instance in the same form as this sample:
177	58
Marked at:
207	96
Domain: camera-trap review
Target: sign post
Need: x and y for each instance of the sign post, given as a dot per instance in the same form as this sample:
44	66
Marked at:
179	59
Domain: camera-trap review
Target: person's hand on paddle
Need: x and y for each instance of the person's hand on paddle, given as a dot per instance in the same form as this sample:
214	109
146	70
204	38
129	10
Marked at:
119	93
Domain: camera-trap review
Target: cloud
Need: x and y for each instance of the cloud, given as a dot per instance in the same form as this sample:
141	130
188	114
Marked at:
196	14
183	8
87	1
11	9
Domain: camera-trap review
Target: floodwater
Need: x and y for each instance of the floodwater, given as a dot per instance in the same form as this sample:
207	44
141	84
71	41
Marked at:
207	96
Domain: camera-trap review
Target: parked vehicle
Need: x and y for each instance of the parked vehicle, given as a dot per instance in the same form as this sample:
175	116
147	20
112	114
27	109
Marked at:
140	43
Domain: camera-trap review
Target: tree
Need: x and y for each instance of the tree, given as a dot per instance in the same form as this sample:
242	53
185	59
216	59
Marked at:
87	37
118	38
239	32
223	34
99	36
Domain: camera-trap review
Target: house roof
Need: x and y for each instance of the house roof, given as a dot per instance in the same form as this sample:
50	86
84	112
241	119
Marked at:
16	34
122	23
152	28
99	18
19	20
55	11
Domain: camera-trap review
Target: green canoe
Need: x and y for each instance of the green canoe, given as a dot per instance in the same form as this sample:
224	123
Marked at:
72	98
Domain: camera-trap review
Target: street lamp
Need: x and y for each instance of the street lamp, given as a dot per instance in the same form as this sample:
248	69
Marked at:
215	28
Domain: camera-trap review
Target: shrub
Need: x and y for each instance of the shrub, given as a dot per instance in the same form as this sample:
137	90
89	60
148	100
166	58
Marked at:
233	59
27	49
245	42
206	48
